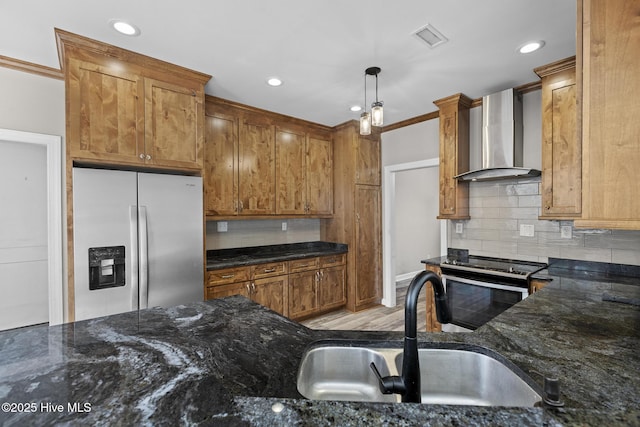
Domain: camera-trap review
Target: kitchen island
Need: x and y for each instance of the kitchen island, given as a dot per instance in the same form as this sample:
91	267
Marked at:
233	362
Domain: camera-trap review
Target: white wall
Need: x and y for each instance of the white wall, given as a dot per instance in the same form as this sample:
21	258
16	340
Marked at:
416	232
33	103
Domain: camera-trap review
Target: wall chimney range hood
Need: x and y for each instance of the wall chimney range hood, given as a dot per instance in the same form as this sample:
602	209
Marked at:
501	139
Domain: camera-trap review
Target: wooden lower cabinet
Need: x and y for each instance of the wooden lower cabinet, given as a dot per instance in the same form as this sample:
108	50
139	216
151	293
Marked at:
332	293
265	284
303	295
296	289
221	291
432	319
272	293
536	284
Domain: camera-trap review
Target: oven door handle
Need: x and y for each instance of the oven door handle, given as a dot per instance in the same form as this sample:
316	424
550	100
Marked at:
524	291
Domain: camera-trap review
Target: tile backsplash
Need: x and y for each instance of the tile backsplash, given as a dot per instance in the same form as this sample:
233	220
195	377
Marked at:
245	233
499	209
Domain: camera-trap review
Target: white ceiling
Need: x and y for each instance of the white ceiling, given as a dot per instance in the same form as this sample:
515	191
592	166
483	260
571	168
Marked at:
319	48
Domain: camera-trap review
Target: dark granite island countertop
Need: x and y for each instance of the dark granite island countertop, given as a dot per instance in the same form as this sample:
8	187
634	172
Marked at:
229	361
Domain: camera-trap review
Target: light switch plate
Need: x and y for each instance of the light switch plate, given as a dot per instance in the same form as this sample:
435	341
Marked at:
458	227
223	227
565	232
284	225
527	230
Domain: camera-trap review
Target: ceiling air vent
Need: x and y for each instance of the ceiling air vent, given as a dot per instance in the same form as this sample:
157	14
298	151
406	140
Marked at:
431	36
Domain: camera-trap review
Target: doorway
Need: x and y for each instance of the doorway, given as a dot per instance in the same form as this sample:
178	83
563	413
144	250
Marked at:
31	275
400	222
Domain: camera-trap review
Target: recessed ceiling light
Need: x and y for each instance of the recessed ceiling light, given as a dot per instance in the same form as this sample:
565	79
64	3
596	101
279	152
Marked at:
355	108
124	27
529	47
274	81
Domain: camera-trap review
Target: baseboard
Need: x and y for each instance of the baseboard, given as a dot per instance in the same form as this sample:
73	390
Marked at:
406	276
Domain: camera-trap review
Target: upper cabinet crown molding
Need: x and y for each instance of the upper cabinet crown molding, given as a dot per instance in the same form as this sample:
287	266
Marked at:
70	44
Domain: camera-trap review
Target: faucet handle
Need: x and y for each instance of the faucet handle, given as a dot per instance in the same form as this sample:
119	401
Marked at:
390	384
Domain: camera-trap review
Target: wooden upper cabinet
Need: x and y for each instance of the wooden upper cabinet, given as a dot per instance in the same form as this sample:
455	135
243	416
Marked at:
607	54
291	190
105	113
561	147
173	125
368	167
124	108
304	173
221	164
319	174
256	183
454	156
262	164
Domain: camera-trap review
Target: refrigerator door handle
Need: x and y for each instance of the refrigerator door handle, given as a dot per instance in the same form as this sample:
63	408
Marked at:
144	256
133	256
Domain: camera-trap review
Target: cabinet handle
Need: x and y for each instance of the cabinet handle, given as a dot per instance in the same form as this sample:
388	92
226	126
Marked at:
141	156
547	207
227	276
241	207
248	289
148	157
269	270
303	265
253	287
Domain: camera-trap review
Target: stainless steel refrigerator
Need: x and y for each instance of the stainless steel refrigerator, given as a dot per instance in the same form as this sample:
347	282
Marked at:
138	241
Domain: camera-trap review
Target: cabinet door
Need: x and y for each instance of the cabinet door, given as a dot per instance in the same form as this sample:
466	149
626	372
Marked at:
222	291
221	164
561	148
256	185
291	194
610	125
105	113
368	160
432	319
319	176
332	292
271	292
303	299
173	119
454	156
368	244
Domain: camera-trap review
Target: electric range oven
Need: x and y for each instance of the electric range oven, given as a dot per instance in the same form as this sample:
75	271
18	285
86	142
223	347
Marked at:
480	288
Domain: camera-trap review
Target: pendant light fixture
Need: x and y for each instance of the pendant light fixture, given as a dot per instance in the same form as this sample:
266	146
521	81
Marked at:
375	118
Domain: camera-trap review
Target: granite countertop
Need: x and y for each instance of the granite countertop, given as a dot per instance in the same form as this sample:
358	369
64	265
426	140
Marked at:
229	361
238	257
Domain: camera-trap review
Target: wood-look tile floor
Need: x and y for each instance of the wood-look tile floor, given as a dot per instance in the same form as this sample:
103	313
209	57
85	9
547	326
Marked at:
374	319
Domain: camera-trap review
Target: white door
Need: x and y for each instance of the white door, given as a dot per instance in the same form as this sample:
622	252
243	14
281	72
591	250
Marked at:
23	235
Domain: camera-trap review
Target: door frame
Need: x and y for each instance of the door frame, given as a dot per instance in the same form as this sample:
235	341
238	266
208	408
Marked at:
53	145
388	236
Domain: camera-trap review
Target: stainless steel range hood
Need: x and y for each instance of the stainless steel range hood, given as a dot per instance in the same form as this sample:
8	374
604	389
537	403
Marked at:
501	139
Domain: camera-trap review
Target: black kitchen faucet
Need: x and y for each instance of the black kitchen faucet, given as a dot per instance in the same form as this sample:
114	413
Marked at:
408	384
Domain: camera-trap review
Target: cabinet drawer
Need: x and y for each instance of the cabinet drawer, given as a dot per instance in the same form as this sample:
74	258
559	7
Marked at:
222	291
332	260
268	270
303	264
228	275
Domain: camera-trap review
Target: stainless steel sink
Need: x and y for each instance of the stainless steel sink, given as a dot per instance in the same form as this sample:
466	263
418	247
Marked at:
454	375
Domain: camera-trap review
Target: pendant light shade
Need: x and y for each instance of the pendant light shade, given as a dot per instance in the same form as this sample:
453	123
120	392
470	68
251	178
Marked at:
375	118
365	123
377	114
